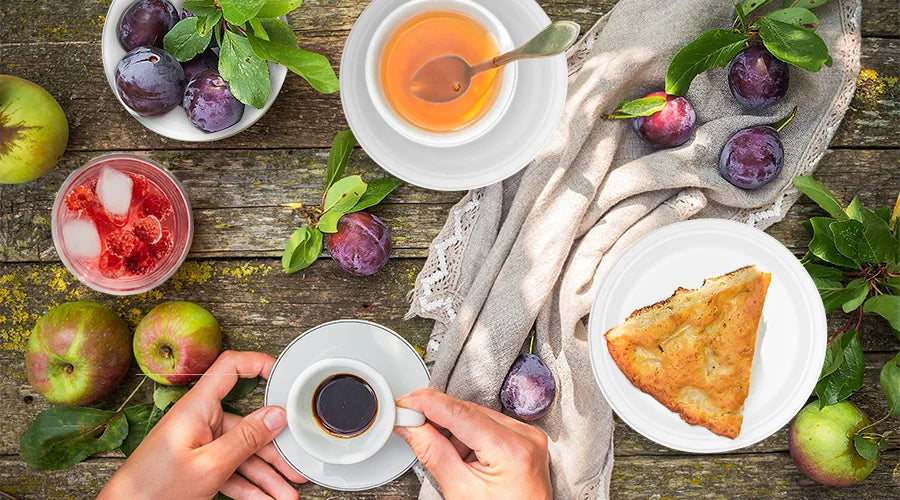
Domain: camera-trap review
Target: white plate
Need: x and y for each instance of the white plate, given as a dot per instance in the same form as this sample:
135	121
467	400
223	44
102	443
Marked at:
524	129
790	343
175	124
380	348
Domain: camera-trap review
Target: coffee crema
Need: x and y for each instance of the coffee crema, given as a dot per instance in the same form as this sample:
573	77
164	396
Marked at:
344	405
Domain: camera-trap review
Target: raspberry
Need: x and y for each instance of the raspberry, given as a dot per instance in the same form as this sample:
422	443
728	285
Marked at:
148	229
80	198
157	206
110	265
101	220
164	246
140	261
121	242
139	187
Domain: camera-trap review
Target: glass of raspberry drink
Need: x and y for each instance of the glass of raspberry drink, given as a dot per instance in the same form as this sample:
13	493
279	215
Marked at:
122	224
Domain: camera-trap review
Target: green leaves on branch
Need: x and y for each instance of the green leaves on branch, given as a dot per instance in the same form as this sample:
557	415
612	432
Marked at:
715	48
62	436
843	370
249	34
644	106
343	195
794	44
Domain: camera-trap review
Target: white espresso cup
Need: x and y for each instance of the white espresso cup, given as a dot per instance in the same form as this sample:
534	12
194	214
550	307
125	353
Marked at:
330	448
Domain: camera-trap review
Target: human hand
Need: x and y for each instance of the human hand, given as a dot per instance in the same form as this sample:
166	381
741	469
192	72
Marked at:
488	454
196	449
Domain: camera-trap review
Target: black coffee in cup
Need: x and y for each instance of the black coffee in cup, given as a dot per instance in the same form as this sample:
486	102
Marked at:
345	405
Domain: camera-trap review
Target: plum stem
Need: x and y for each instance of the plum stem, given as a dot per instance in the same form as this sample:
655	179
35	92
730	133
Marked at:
131	395
784	121
531	344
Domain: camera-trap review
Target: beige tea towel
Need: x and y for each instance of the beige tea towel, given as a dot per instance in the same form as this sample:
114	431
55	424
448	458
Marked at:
531	249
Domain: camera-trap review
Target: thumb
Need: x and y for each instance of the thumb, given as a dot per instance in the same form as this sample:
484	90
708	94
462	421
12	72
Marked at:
243	440
436	453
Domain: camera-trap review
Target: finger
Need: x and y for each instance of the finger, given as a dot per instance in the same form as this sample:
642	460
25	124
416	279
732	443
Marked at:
218	380
239	488
264	476
246	438
268	453
435	452
462	449
520	427
462	418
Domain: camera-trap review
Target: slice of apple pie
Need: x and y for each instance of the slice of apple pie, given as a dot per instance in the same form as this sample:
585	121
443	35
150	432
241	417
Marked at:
693	351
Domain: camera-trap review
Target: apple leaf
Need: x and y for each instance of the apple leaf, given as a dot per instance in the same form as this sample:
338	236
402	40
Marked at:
890	384
822	244
166	395
887	306
848	376
714	48
62	436
141	418
867	448
817	192
378	190
241	388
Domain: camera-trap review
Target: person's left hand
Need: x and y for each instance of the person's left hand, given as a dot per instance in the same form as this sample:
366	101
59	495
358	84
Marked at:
196	449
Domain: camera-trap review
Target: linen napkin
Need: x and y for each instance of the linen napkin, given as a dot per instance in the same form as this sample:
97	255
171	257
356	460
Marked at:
531	250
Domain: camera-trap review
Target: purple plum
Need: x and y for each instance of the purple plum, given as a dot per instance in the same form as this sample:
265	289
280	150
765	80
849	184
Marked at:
361	244
203	61
529	388
669	127
146	22
752	157
209	103
756	78
150	81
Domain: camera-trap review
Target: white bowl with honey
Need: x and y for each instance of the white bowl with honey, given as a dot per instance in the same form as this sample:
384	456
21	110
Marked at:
419	31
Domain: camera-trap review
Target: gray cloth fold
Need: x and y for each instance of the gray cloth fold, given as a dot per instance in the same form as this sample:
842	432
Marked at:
532	249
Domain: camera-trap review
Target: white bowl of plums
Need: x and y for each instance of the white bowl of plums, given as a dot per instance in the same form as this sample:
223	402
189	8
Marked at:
186	93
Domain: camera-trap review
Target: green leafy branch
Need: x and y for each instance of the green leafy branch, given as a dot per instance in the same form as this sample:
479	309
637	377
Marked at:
341	196
62	436
248	33
854	261
788	33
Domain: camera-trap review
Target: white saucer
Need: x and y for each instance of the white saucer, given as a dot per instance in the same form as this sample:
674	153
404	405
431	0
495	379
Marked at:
790	343
524	129
175	124
382	349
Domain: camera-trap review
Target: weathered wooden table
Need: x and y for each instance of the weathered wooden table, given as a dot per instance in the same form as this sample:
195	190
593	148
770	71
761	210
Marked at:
238	186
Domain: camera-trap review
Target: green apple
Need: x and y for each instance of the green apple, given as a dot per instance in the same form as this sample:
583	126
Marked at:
176	342
821	444
77	353
33	130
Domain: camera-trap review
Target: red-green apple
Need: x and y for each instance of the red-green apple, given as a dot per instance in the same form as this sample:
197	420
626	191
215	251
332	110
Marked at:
33	130
176	342
77	353
821	444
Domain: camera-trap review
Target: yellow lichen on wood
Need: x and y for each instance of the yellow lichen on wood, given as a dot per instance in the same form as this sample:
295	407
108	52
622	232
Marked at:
246	270
191	273
872	88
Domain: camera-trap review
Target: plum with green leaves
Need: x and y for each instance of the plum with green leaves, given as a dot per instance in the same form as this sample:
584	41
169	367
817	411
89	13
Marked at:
361	245
669	127
150	81
756	78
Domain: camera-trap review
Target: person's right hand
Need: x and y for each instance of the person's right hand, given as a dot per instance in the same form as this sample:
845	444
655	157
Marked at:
488	454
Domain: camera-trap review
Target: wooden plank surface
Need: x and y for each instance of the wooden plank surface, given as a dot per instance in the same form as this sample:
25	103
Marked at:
238	188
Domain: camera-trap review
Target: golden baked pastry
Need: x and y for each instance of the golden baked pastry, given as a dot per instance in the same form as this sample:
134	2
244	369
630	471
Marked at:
693	351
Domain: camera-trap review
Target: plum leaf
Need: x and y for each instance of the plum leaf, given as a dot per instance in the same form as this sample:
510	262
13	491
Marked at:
241	388
341	146
277	8
166	395
200	7
62	436
890	384
867	448
817	192
794	44
141	418
887	306
258	29
312	67
645	106
205	24
344	194
184	42
378	190
279	32
809	4
302	249
794	15
848	376
240	11
748	6
246	73
714	48
329	221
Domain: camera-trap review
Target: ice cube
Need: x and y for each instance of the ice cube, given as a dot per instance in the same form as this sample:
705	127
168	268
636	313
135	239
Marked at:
81	239
114	191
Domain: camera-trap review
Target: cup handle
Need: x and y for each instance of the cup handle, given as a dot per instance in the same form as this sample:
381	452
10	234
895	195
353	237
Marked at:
408	418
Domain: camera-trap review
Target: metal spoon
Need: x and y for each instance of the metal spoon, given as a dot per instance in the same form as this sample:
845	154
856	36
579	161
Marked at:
446	78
